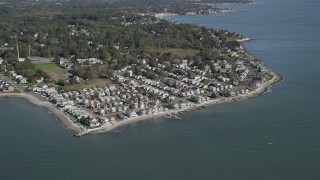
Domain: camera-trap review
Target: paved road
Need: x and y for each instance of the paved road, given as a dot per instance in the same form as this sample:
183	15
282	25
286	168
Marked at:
22	89
13	83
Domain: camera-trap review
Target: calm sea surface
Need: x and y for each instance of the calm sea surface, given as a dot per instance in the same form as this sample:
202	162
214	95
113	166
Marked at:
274	136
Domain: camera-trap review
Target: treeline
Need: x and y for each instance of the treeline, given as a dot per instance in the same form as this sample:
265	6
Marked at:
47	7
82	37
26	69
109	31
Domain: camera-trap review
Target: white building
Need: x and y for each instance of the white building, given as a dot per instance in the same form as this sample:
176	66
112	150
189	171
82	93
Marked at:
130	113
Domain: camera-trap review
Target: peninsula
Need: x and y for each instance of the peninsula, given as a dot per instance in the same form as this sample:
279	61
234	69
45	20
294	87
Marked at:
110	66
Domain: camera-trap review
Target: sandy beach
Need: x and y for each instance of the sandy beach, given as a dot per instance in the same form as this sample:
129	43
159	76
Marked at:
79	131
62	118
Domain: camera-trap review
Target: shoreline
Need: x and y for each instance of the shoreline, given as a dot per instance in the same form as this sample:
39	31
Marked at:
163	15
265	87
68	124
78	131
63	119
244	40
257	92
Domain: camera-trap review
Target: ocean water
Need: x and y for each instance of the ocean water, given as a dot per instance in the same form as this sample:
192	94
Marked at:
274	136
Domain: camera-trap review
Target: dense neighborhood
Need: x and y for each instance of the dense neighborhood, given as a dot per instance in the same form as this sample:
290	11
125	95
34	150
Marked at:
132	94
100	70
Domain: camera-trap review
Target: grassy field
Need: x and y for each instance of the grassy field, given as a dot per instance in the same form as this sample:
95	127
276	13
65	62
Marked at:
181	53
270	75
87	84
54	71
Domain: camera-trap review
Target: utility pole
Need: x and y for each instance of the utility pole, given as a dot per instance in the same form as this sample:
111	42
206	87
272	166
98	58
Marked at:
29	51
18	52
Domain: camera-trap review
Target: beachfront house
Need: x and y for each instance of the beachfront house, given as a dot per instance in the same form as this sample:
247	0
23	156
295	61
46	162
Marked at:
232	93
173	105
122	116
111	118
130	113
104	119
182	104
92	122
8	89
141	112
198	99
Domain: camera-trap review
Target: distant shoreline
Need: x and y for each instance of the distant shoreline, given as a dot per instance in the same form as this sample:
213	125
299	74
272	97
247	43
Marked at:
162	15
165	14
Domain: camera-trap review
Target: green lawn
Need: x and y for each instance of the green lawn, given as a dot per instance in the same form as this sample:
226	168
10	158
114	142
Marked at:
270	76
47	66
16	91
53	70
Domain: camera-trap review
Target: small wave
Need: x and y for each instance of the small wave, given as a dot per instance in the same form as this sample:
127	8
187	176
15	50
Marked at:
268	90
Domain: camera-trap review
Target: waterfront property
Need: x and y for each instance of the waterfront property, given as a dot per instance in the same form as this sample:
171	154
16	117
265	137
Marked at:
6	87
136	96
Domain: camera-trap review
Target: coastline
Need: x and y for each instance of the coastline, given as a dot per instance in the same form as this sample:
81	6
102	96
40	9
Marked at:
63	119
258	91
163	15
264	88
79	131
244	40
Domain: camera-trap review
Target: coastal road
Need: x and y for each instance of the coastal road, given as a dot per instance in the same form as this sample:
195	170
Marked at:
22	89
13	83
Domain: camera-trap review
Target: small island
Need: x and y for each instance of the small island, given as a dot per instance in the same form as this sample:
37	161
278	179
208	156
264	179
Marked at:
109	66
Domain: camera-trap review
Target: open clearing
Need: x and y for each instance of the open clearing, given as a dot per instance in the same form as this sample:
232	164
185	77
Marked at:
54	71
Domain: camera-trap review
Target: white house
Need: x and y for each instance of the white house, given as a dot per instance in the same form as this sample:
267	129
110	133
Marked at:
104	119
173	105
197	99
21	59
